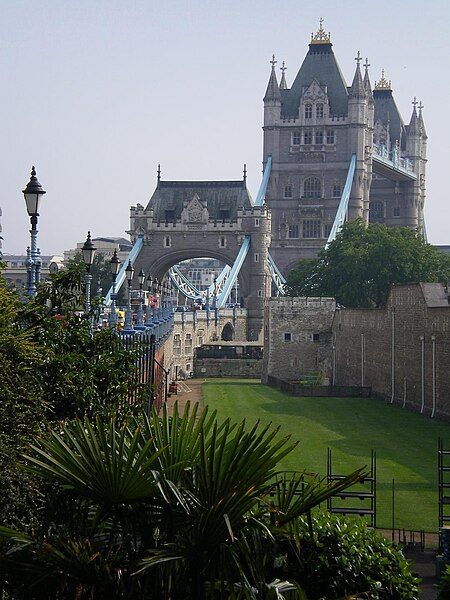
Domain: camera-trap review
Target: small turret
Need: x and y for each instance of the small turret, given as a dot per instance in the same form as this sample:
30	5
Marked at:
414	128
357	89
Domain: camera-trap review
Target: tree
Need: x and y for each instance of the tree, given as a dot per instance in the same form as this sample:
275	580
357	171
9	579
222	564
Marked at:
360	265
181	507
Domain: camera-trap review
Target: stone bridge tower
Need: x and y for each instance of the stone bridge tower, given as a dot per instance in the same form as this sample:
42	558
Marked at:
195	219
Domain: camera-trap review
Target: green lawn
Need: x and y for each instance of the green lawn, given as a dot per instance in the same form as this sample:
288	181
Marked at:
405	443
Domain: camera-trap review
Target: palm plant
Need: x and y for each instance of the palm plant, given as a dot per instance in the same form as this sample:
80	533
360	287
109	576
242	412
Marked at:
169	507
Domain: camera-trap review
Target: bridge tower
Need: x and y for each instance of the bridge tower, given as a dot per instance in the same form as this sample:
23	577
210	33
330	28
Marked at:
195	219
312	129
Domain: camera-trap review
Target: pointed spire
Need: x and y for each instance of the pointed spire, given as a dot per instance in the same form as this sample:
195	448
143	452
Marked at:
273	91
421	123
245	172
283	84
358	89
414	122
367	84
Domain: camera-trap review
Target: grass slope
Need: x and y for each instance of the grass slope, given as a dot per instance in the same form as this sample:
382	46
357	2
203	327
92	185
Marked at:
405	443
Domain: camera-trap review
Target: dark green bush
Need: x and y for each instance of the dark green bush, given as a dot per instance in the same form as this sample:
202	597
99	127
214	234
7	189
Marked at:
344	557
444	585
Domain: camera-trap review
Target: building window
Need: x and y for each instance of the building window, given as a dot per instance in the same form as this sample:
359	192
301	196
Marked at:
311	228
256	222
337	190
396	211
376	210
188	342
222	241
319	137
330	136
293	231
315	337
308	111
167	241
288	190
312	188
260	293
296	137
287	337
327	230
307	137
319	111
256	257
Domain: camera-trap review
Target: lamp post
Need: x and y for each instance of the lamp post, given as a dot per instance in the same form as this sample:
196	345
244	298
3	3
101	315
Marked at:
88	250
140	309
33	193
129	272
114	265
148	312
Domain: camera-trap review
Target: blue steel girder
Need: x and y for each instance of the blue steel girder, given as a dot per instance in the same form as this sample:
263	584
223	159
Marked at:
134	252
341	214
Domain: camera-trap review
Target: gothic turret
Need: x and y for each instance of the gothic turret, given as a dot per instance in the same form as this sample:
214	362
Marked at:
283	84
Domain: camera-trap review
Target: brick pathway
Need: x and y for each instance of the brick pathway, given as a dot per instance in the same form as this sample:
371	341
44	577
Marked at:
188	391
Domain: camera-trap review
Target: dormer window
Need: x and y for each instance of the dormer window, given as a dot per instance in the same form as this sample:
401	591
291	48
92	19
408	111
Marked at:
319	111
308	111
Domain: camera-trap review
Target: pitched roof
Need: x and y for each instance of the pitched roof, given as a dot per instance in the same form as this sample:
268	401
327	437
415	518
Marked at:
319	64
219	196
386	111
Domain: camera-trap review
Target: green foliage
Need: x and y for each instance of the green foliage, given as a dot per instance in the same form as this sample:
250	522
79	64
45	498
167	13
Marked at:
161	507
341	556
444	585
360	265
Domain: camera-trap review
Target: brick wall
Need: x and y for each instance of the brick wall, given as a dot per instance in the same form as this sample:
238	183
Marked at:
401	351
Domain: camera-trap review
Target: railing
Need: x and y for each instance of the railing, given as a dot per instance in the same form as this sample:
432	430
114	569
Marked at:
393	158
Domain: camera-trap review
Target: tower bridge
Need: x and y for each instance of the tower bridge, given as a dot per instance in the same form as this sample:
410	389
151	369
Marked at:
331	152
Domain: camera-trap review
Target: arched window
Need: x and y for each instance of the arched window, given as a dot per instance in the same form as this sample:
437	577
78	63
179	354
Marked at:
312	188
308	111
319	111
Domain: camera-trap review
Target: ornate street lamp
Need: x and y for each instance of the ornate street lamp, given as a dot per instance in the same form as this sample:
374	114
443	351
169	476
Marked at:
114	265
88	251
129	272
33	194
140	309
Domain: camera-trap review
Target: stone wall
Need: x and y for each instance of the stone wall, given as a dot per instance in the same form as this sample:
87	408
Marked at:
241	368
298	338
402	352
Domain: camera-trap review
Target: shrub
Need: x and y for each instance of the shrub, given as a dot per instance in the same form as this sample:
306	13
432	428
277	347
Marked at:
444	585
342	556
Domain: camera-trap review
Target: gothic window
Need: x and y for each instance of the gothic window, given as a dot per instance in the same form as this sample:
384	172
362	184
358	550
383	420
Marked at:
376	211
311	228
308	111
319	111
337	190
312	188
293	231
256	222
319	137
396	211
288	190
330	136
307	137
296	137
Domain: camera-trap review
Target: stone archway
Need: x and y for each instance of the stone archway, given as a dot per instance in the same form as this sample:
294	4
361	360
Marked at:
227	334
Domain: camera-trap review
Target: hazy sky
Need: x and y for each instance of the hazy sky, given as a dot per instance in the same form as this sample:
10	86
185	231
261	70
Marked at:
96	93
